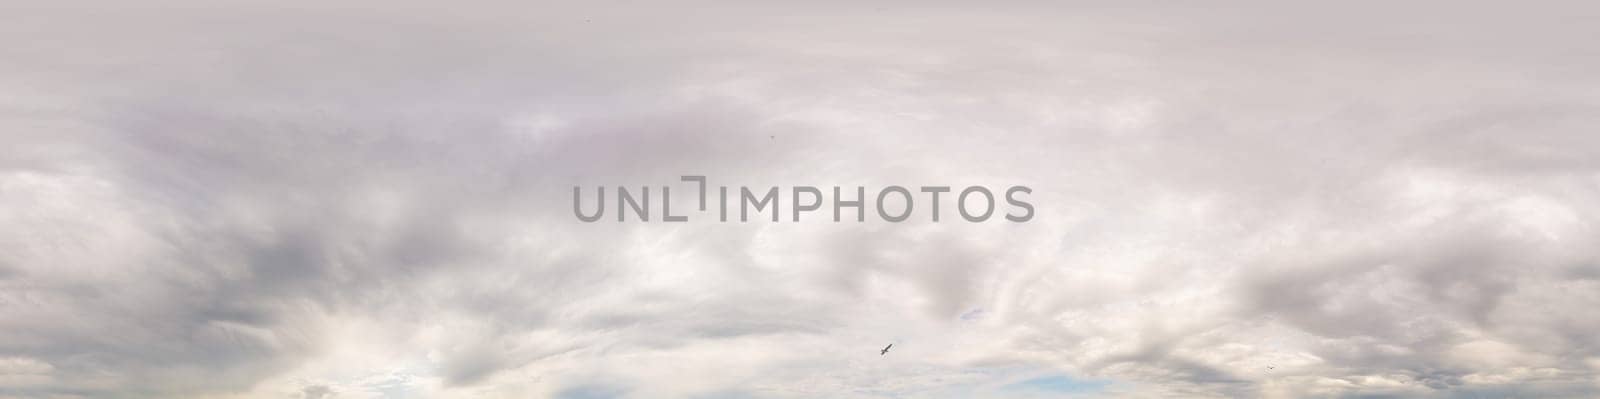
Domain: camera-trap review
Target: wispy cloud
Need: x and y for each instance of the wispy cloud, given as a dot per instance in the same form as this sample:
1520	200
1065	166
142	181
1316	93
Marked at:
372	200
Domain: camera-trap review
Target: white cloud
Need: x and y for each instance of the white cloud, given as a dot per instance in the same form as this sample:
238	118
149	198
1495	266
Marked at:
362	201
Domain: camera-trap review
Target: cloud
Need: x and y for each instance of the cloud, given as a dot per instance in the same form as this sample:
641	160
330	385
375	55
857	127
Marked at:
364	201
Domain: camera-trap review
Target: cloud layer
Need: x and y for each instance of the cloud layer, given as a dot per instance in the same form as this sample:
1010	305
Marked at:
373	200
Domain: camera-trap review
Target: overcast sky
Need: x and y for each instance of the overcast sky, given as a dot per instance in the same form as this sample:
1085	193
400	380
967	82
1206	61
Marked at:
373	200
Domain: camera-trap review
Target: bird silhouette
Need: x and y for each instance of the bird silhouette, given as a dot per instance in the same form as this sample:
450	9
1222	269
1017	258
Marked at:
885	350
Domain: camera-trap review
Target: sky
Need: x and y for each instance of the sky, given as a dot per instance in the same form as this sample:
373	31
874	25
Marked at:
1244	199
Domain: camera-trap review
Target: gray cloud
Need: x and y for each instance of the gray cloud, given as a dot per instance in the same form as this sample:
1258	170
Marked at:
358	200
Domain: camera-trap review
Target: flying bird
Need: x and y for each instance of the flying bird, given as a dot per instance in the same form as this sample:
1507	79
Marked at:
885	350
